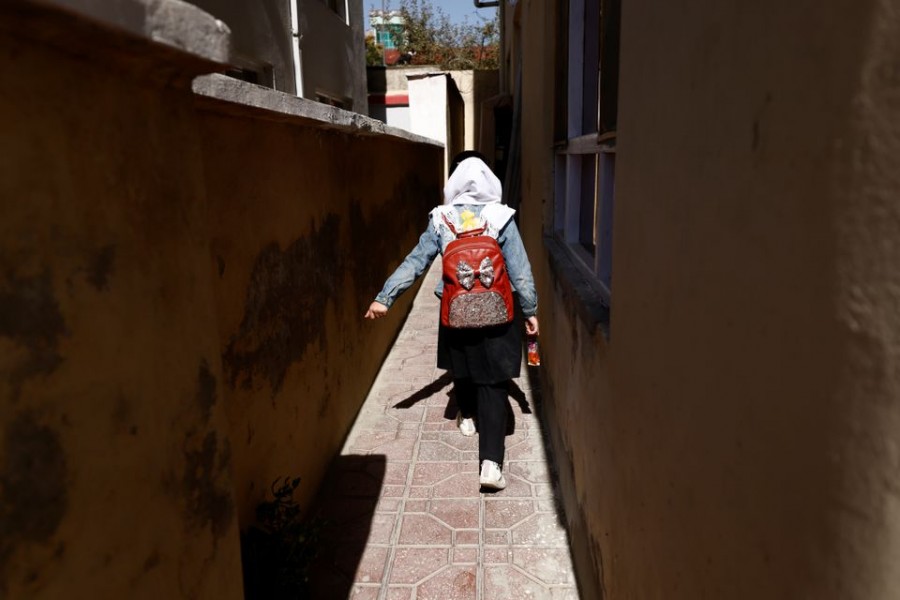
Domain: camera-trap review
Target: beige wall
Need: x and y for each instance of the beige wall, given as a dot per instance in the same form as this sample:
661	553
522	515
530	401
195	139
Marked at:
300	250
474	87
332	47
334	53
261	37
735	437
115	468
182	283
436	111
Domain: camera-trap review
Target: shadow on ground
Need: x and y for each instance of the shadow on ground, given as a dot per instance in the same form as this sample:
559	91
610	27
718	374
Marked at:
452	408
347	502
426	392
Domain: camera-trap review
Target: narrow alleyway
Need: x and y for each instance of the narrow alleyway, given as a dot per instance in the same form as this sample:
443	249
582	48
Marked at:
406	517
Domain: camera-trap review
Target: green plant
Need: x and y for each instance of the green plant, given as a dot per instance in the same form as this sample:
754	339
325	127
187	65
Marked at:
374	50
278	551
430	37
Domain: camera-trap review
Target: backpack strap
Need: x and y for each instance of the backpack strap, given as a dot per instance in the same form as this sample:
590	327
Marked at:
464	234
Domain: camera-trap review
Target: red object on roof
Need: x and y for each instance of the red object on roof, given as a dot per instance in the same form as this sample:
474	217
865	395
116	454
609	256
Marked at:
391	56
391	99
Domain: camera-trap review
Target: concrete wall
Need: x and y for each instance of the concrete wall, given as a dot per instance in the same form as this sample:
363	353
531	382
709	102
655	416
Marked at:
735	437
394	116
474	89
261	37
429	108
332	53
177	314
299	251
115	468
437	112
397	78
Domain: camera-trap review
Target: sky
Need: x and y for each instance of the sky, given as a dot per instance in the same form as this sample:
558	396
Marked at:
457	10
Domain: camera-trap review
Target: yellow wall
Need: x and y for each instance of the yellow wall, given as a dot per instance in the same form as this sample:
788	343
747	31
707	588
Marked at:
305	229
736	436
141	240
114	464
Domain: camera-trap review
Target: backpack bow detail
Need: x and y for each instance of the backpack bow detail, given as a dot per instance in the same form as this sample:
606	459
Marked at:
466	274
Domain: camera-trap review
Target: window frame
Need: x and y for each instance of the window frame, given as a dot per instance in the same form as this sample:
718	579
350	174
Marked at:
339	8
584	176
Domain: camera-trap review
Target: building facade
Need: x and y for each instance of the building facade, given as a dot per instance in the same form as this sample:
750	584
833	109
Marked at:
709	198
312	48
451	107
389	28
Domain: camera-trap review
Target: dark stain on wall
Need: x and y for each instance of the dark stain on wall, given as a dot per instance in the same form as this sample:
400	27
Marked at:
285	307
206	390
31	318
208	504
152	561
123	415
757	121
324	401
101	266
33	499
390	232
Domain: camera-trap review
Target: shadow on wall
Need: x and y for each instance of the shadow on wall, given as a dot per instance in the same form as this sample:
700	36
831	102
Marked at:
563	477
347	503
376	78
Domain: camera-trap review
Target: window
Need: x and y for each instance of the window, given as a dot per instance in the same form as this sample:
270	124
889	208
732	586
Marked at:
339	7
586	133
331	100
386	39
259	74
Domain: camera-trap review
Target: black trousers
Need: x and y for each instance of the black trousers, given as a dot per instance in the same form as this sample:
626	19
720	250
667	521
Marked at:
488	403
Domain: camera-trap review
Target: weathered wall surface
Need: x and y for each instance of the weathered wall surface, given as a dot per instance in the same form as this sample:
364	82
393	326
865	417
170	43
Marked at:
334	53
261	36
575	369
114	462
736	436
765	332
145	243
475	86
305	229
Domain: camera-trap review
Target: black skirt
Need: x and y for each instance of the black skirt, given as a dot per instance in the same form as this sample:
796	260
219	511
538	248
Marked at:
487	355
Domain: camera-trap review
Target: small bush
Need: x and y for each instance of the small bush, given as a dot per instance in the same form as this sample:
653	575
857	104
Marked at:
277	552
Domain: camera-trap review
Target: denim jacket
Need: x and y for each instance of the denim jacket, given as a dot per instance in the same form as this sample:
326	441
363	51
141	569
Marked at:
431	244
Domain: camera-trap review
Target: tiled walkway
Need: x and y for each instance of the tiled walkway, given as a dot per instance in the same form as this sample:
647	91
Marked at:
407	518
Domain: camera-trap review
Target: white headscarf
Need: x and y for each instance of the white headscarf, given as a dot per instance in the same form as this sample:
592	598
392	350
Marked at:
472	182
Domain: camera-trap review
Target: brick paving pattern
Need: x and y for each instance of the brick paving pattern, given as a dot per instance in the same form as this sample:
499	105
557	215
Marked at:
407	519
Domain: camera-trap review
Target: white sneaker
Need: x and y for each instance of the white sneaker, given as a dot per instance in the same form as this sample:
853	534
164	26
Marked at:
491	477
466	426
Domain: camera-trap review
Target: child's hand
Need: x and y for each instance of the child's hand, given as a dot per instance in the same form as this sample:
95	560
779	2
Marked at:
376	310
531	326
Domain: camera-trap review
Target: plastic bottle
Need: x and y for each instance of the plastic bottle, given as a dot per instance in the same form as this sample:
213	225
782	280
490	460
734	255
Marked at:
534	355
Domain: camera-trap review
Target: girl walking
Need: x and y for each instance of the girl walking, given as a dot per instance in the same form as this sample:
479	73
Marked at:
482	359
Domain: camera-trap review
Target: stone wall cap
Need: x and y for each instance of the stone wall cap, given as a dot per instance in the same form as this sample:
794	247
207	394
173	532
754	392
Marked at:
172	23
428	74
240	95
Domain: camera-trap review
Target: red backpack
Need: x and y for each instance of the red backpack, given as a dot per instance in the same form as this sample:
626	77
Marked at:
477	291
